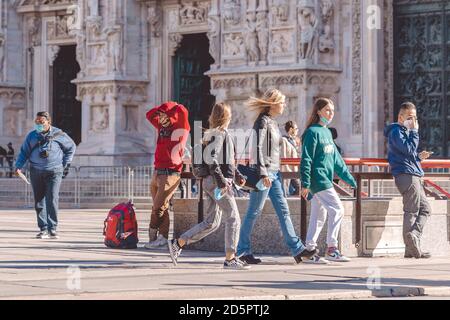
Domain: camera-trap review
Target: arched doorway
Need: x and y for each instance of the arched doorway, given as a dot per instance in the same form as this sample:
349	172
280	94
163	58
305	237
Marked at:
66	110
191	85
422	68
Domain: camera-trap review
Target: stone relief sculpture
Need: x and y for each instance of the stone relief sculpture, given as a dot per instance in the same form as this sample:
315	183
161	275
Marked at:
191	13
232	11
73	20
98	57
234	45
308	29
326	43
10	123
280	11
280	44
262	28
214	39
100	118
251	39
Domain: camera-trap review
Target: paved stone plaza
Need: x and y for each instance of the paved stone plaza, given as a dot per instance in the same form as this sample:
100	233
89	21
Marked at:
49	269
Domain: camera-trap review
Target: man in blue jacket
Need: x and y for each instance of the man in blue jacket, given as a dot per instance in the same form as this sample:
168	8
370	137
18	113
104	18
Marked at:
404	160
49	151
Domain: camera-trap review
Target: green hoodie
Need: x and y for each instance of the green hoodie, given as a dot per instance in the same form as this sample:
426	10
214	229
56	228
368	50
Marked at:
320	160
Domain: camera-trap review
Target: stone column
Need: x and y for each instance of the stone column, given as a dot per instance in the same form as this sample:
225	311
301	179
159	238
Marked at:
372	78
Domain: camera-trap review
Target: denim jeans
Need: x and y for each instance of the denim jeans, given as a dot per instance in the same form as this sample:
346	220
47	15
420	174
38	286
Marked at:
279	202
46	186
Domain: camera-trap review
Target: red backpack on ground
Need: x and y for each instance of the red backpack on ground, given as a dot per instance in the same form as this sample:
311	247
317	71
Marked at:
121	229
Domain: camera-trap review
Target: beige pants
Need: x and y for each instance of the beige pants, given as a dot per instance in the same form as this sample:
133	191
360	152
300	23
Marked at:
162	188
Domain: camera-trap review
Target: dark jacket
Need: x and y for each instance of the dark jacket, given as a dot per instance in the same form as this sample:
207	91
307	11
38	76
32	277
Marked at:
403	145
268	144
220	155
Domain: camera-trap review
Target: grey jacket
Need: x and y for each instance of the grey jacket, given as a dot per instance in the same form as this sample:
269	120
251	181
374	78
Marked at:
222	158
268	144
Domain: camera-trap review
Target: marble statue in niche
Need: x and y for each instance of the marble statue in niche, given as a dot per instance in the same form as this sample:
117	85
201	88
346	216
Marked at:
326	43
251	39
214	39
308	23
262	27
115	48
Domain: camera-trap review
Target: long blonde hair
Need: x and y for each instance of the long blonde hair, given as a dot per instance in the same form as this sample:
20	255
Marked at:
270	98
218	120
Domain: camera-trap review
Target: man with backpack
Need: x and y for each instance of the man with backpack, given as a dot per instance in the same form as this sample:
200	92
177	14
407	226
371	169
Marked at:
172	124
49	151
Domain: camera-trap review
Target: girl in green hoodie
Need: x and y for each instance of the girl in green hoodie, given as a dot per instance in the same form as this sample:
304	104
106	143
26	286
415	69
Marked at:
320	161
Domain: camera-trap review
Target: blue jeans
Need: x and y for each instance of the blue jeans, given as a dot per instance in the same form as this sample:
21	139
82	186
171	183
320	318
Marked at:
255	206
46	186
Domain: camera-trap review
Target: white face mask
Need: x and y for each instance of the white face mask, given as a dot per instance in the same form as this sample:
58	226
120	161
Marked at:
408	124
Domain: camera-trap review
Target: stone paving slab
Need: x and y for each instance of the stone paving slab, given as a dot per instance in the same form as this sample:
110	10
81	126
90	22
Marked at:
47	269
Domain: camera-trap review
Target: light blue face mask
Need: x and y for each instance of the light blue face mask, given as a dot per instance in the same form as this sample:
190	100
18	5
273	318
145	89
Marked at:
39	128
325	121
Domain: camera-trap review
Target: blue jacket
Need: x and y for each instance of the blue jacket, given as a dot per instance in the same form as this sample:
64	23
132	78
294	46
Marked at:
61	150
403	145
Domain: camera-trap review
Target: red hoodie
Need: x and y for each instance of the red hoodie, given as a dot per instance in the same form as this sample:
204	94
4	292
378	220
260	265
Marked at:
171	140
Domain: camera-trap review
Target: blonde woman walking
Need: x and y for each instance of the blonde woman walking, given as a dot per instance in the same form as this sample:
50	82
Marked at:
268	137
218	189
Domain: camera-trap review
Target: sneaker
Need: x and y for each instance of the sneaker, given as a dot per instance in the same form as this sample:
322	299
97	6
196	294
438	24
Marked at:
413	243
54	234
336	256
43	235
235	264
316	259
305	254
174	250
250	259
158	243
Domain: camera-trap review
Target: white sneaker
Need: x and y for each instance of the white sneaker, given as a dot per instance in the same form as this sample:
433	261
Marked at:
235	264
158	243
336	256
316	259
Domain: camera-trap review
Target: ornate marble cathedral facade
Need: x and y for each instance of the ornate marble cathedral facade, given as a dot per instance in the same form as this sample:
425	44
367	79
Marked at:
99	65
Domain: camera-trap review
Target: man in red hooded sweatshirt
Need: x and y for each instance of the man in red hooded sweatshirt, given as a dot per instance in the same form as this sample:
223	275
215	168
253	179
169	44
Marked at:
172	125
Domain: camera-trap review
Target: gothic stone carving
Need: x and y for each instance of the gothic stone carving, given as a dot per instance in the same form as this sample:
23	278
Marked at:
356	67
154	19
34	31
280	11
58	29
251	40
262	27
192	13
115	57
234	45
174	42
308	29
99	118
214	39
232	12
326	43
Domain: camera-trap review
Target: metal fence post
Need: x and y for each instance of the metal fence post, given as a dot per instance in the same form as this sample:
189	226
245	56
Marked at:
200	202
130	184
